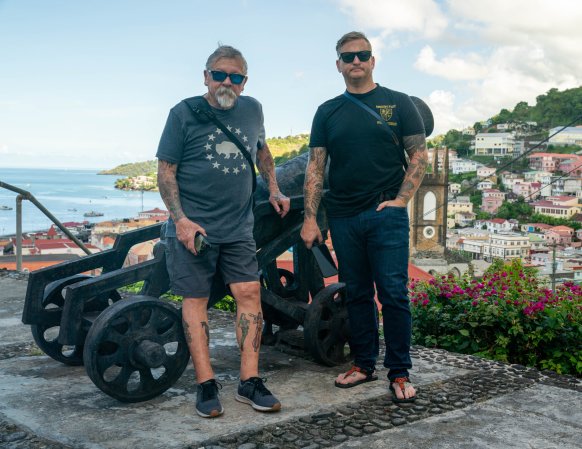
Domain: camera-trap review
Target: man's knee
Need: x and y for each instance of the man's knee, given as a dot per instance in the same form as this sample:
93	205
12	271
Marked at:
247	293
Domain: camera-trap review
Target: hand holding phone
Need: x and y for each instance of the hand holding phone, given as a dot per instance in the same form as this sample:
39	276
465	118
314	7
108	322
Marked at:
201	244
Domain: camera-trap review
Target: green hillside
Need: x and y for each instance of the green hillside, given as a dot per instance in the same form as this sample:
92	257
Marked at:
133	169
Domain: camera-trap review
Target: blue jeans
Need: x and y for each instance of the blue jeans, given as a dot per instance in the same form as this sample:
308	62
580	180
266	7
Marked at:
372	248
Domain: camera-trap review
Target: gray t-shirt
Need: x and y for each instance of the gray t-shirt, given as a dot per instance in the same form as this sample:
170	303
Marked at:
214	178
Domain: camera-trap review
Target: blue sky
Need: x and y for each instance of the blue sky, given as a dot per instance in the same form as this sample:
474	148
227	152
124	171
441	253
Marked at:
89	84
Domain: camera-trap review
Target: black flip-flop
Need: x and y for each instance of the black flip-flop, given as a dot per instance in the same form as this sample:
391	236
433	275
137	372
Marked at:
369	378
393	390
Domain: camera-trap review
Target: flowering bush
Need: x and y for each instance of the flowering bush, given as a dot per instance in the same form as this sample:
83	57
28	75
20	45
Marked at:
508	315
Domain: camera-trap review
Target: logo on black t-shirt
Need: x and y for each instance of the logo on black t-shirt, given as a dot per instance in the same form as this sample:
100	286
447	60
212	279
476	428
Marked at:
385	110
223	154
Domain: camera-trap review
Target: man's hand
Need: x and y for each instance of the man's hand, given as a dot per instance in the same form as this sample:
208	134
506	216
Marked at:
186	231
392	203
280	203
310	233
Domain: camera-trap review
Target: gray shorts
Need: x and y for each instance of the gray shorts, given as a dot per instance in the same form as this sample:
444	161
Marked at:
191	276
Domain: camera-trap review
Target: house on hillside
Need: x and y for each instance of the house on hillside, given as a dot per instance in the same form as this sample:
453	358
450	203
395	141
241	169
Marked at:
567	136
494	144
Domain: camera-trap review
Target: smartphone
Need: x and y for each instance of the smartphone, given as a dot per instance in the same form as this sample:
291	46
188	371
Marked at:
201	245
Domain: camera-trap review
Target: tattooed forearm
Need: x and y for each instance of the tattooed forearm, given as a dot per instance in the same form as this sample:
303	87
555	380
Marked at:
169	191
206	331
266	167
314	176
243	324
416	149
187	333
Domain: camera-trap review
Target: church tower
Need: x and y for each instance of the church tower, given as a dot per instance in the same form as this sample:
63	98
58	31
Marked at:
428	211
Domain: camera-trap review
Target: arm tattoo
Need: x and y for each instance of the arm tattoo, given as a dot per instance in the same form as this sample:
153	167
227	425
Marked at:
169	190
243	324
416	149
266	167
314	176
187	333
206	331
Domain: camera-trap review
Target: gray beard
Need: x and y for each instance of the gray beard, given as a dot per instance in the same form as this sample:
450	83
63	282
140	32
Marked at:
225	97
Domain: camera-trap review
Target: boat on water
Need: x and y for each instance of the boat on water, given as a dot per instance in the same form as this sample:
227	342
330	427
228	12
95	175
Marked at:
92	213
72	210
5	208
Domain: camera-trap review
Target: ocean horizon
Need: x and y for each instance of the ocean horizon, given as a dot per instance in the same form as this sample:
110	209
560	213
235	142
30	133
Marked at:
68	194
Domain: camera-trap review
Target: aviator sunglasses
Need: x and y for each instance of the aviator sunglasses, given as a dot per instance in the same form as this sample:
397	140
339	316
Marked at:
235	78
349	56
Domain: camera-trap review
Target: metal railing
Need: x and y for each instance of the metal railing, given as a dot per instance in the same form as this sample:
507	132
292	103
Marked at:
26	195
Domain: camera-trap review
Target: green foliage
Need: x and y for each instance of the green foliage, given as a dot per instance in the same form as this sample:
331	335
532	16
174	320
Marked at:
290	155
507	316
227	303
563	149
457	141
519	210
460	177
540	218
279	146
133	169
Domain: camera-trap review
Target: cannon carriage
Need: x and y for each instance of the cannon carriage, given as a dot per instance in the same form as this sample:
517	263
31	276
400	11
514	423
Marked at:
133	347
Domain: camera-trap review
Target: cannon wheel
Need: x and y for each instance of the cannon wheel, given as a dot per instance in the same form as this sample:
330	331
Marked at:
46	336
136	349
325	328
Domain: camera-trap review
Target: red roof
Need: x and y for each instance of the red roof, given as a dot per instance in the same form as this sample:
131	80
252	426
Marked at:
51	232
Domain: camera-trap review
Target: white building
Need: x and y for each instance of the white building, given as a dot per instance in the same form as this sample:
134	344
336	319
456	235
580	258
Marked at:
458	166
569	136
494	144
485	172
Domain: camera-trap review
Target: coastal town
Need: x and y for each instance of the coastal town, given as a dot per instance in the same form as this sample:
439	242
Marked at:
532	212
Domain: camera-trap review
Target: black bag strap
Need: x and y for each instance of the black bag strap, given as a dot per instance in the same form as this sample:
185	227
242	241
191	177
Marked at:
205	114
378	117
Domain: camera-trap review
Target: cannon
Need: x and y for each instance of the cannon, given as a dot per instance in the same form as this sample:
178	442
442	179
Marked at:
133	347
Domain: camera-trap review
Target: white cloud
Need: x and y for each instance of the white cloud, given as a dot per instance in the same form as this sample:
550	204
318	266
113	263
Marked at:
451	67
393	16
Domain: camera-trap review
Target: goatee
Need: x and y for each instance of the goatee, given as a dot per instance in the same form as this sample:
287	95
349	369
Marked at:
225	97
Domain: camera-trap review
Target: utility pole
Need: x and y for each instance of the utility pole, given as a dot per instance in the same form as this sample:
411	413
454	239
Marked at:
554	266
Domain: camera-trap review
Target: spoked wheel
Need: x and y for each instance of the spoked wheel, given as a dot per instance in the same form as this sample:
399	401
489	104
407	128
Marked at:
136	349
46	335
326	326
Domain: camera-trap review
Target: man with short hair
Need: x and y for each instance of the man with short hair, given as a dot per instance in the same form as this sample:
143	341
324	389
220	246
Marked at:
364	133
206	183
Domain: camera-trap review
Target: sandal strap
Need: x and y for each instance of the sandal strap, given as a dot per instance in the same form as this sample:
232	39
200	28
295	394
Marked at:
402	381
356	369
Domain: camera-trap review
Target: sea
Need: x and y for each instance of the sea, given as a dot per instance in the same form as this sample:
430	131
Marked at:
68	194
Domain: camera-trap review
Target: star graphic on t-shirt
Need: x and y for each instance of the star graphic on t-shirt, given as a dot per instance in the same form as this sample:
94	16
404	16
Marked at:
208	147
215	164
209	157
225	170
243	166
218	131
237	131
229	128
248	147
235	170
211	137
245	139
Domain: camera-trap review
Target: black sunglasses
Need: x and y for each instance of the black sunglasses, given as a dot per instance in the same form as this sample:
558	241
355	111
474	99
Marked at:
235	78
349	56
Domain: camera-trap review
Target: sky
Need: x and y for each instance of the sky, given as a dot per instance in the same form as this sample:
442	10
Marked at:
87	84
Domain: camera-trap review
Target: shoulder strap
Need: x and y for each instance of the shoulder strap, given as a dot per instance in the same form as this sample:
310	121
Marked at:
378	117
205	114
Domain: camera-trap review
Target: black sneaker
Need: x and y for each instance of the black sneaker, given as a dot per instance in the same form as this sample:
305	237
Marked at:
254	393
207	403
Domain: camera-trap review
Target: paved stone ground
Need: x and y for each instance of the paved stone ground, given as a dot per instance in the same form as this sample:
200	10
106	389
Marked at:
464	402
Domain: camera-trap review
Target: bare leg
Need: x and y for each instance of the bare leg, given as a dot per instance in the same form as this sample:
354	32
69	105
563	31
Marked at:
249	324
196	330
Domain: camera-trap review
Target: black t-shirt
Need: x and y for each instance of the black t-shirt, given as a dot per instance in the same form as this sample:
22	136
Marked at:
364	159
